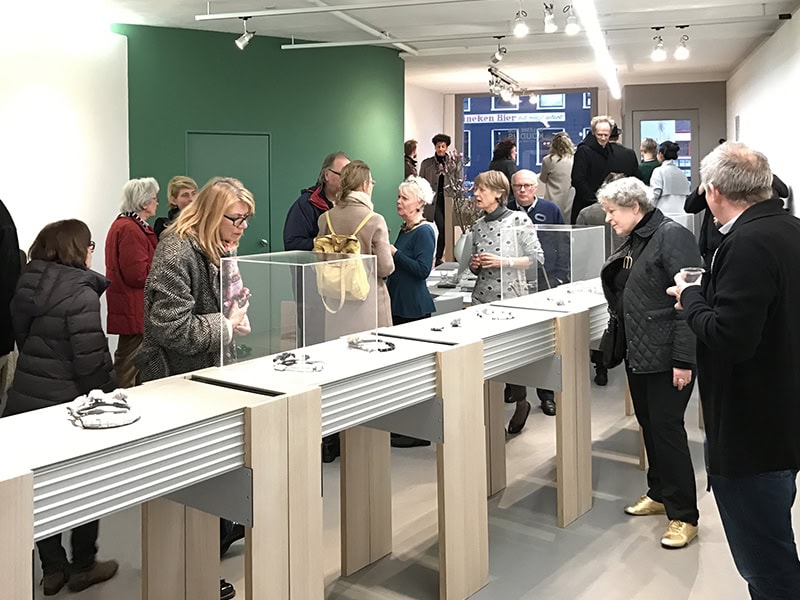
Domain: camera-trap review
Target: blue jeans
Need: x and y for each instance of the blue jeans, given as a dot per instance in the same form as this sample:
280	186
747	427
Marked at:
756	515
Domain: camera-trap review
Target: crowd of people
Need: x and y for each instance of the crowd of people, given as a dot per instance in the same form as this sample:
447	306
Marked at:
733	330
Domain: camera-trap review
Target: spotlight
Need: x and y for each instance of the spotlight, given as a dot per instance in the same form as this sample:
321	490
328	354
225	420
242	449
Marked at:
499	54
506	94
659	54
682	51
550	25
520	26
244	39
572	27
514	100
533	99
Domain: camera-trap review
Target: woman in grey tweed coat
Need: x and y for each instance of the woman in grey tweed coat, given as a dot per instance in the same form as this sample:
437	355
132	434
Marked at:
183	326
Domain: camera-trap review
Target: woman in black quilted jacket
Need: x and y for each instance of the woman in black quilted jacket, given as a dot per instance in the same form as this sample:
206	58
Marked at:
658	347
63	354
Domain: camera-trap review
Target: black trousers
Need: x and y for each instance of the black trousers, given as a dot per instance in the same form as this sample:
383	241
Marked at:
84	550
660	408
438	219
520	392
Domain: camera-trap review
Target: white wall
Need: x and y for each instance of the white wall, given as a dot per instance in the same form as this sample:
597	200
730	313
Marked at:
763	93
424	118
63	132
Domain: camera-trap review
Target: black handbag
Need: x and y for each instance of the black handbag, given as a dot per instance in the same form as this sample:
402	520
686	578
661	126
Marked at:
612	344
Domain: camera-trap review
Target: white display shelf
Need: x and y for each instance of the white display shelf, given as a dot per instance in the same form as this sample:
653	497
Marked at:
507	343
81	475
357	386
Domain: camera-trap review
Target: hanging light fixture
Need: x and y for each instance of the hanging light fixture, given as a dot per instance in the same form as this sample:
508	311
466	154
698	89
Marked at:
550	25
499	54
520	26
572	27
682	51
659	53
244	39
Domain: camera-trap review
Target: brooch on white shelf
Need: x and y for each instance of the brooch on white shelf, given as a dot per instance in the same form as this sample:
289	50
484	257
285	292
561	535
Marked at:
495	314
302	363
370	344
97	410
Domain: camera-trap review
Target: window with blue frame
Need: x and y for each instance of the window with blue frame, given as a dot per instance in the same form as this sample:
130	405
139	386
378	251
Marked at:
532	123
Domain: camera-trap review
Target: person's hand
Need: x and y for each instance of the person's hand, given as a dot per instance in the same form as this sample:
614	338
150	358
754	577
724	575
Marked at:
489	261
238	313
676	290
681	378
475	262
392	249
242	328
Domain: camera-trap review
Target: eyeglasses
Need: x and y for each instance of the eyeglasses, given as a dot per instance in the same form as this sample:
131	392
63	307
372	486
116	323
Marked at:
522	186
238	221
373	182
92	246
335	172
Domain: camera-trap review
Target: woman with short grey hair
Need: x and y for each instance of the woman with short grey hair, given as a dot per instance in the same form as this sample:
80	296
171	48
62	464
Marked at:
130	245
652	338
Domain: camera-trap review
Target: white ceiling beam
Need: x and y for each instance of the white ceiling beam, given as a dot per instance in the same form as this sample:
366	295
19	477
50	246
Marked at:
290	12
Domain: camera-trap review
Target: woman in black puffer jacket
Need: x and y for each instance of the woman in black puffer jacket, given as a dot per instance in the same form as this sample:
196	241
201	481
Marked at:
63	354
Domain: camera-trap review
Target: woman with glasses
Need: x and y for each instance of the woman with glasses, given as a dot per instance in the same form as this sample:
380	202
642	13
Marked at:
130	245
183	326
63	354
352	206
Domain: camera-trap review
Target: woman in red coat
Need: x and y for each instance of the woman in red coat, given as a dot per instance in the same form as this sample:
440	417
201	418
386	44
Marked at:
130	245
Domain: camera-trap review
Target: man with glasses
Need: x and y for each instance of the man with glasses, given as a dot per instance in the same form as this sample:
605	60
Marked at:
555	245
301	227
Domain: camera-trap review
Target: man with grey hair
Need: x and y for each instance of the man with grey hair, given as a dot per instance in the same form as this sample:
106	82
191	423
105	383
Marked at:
300	227
591	164
744	313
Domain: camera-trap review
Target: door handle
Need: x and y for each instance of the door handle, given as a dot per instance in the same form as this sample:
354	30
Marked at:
264	243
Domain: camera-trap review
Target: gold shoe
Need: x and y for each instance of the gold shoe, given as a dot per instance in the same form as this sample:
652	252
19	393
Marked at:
678	534
645	506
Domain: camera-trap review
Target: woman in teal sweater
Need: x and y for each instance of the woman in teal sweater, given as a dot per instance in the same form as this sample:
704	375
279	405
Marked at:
413	254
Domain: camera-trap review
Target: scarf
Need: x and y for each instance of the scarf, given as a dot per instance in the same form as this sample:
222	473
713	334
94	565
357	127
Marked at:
135	216
361	197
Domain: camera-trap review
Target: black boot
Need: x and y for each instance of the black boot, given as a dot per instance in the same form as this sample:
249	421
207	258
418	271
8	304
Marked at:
226	590
600	375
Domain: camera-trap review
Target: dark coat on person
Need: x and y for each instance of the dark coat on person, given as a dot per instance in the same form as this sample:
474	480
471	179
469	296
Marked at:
300	227
63	352
432	169
129	253
161	223
657	335
590	167
409	166
748	332
183	326
9	274
555	244
622	159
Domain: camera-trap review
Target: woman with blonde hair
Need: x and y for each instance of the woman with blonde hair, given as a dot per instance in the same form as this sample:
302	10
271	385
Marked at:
183	326
557	173
353	213
504	246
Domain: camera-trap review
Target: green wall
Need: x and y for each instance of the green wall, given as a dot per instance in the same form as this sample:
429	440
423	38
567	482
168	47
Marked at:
311	102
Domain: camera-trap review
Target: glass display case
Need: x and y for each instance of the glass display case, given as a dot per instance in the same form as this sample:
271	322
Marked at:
287	301
571	253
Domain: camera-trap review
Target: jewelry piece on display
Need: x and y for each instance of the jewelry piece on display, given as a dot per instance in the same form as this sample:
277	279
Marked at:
373	344
495	314
439	328
97	410
287	361
456	322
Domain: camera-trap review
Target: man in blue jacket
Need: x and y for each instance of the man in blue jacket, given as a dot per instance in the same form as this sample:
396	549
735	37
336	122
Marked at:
744	314
300	227
555	245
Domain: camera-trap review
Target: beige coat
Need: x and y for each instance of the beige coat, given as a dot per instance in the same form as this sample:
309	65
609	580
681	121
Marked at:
557	176
374	239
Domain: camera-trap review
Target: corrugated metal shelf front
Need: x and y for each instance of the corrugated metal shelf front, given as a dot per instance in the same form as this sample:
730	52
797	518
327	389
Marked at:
598	319
360	399
508	351
70	493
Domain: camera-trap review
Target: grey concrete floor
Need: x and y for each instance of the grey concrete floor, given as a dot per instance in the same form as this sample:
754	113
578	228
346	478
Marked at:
604	555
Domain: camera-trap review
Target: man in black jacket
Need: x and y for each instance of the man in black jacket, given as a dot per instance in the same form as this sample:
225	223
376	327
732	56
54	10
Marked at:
748	330
590	165
9	274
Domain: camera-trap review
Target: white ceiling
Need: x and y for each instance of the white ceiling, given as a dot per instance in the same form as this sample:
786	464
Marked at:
721	34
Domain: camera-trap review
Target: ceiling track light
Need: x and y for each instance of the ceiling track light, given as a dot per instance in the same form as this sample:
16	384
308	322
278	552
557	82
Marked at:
659	53
572	27
682	51
244	39
521	28
508	88
550	25
499	54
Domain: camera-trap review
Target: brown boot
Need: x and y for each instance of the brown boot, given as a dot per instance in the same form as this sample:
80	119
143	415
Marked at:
53	582
103	570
